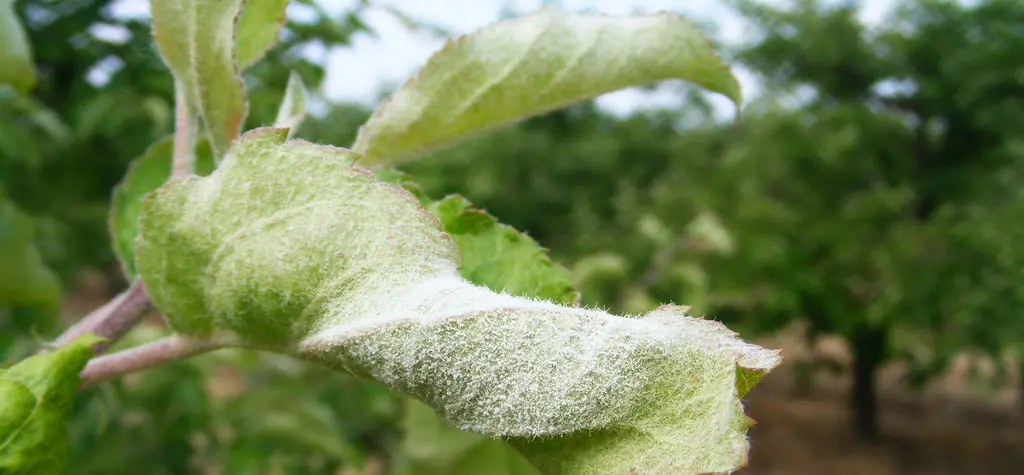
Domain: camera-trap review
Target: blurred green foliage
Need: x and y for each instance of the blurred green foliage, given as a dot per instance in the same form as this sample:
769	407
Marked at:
874	191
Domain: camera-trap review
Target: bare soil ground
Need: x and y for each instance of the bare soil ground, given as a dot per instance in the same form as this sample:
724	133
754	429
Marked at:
951	428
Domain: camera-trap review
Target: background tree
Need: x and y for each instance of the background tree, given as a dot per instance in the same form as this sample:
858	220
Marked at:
900	127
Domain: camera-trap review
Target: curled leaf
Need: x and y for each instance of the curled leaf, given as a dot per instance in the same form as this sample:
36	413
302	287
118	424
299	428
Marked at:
36	396
292	248
517	68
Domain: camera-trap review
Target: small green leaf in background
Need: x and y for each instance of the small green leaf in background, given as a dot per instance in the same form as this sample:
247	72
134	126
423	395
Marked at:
293	106
517	68
258	29
36	397
18	71
208	74
145	174
24	278
499	257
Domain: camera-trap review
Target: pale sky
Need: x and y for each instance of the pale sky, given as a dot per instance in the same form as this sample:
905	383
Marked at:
357	73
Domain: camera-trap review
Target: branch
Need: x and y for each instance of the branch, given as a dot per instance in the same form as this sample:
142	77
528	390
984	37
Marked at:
184	144
113	319
161	351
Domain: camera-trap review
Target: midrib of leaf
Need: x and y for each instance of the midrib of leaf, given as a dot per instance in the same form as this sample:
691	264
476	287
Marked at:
573	62
504	74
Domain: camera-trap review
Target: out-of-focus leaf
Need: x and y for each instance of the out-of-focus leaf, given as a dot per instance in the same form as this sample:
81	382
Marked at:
293	106
258	29
145	174
292	248
433	447
36	396
15	51
197	41
24	278
517	68
40	115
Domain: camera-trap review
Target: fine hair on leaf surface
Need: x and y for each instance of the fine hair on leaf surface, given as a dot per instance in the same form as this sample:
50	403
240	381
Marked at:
292	248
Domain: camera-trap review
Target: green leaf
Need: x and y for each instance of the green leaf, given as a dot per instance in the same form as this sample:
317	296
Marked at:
499	257
24	278
18	71
289	247
36	397
258	29
517	68
293	106
145	174
197	41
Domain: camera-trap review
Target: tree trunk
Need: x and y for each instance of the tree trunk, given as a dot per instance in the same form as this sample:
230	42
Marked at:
869	348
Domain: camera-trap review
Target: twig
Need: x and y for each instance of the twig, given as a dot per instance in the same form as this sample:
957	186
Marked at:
184	138
165	350
114	319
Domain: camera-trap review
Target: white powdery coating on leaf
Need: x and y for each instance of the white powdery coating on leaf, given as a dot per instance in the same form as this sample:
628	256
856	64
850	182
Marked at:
293	249
513	367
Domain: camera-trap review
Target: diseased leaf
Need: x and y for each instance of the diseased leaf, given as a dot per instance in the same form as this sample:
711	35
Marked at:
292	248
24	278
258	29
197	41
293	106
145	174
36	396
498	257
18	70
517	68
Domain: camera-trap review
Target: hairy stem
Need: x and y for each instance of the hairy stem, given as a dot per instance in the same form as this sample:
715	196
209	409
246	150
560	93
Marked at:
165	350
113	319
184	136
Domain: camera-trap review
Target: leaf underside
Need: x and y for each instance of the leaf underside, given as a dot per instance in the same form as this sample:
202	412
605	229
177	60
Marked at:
293	248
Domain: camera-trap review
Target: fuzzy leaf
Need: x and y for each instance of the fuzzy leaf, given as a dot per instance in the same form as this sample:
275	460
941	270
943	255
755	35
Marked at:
36	396
145	174
293	106
258	29
197	41
18	70
24	278
500	258
291	248
517	68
